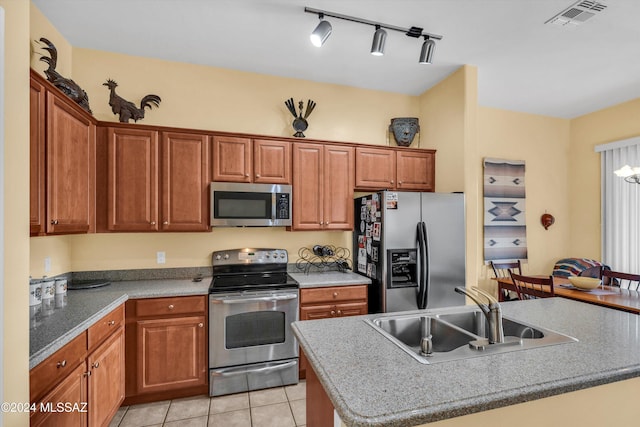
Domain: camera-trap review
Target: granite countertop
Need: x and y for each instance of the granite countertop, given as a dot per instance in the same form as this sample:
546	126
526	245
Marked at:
328	278
83	308
371	382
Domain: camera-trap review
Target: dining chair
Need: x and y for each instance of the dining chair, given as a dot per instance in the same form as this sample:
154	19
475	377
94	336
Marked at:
620	279
503	270
529	287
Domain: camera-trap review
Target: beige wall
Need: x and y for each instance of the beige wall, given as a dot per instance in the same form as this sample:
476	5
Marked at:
607	125
543	142
15	347
41	27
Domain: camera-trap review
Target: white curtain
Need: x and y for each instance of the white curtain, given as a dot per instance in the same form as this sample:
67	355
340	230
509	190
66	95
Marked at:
620	207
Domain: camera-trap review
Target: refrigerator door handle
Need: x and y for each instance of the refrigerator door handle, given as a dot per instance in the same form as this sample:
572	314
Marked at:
420	297
426	264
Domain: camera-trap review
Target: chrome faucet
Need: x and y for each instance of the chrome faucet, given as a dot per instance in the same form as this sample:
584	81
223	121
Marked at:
492	312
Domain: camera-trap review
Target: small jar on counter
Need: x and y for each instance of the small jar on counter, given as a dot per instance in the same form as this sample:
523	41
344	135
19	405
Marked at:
35	292
48	288
61	287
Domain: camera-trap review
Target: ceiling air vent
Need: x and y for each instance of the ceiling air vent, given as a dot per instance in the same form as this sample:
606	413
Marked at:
577	13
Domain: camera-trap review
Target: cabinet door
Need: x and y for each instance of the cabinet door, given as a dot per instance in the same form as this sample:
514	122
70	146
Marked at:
375	168
71	391
272	161
338	187
36	163
308	167
185	180
171	354
232	159
132	180
416	170
71	166
106	382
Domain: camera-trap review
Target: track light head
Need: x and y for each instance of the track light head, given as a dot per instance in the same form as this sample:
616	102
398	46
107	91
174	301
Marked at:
426	53
321	33
379	37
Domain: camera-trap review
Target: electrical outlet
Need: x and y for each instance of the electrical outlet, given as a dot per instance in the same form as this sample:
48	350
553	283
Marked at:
47	264
161	258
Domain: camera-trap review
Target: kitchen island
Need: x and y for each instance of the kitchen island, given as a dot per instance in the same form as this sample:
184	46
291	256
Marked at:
371	382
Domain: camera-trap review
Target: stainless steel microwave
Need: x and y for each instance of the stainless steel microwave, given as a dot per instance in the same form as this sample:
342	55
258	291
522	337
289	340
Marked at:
250	205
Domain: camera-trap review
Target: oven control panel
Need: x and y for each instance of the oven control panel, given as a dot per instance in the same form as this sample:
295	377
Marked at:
250	256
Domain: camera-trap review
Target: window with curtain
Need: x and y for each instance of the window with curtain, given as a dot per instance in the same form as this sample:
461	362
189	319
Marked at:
620	206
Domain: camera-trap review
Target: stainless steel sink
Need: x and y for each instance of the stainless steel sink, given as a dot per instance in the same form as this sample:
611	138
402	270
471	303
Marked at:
459	333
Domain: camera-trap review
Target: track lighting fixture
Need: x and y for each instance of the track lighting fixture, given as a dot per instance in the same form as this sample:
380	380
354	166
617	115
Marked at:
323	30
379	37
321	33
426	53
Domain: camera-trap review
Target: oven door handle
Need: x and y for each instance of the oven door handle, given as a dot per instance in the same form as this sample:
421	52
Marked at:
228	372
245	299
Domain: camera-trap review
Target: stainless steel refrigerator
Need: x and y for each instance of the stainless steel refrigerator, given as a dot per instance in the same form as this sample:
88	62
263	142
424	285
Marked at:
412	246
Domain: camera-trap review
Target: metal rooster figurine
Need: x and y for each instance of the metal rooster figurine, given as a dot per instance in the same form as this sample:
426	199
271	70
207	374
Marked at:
300	123
126	109
67	86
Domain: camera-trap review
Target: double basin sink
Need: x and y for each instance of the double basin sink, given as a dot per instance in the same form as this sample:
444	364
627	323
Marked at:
459	333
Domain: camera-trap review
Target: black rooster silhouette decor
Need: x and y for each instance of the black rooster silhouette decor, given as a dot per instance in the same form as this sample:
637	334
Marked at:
126	109
67	86
300	123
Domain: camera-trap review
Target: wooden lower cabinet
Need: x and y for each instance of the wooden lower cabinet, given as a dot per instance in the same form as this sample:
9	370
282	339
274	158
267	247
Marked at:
106	382
82	384
73	391
328	302
166	348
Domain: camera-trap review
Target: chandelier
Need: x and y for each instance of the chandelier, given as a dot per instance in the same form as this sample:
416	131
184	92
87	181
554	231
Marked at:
629	174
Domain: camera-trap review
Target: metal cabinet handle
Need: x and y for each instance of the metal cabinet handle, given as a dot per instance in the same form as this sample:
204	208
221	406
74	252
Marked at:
86	374
61	364
391	181
165	223
257	175
152	223
400	182
111	322
335	294
96	365
339	313
200	325
54	222
333	313
170	307
247	175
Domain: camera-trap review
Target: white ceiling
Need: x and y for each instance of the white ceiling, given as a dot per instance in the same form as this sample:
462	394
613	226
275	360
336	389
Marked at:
523	65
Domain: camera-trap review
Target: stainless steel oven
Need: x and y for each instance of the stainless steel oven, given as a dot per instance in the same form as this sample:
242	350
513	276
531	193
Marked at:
252	303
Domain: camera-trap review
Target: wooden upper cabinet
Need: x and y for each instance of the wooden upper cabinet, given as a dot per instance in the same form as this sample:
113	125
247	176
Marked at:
375	168
70	158
246	160
416	170
339	165
232	159
271	161
308	164
322	187
185	181
37	159
132	182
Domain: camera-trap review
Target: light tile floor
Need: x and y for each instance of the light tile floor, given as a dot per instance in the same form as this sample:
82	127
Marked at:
274	407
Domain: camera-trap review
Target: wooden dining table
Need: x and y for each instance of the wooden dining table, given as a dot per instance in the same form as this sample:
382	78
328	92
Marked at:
606	296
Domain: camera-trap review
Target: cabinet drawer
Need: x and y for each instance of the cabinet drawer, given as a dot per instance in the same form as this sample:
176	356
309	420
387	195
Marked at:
57	366
333	294
105	327
168	306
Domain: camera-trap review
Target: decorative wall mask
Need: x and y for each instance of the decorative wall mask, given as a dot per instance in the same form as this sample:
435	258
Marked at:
67	86
404	130
300	123
547	220
126	109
